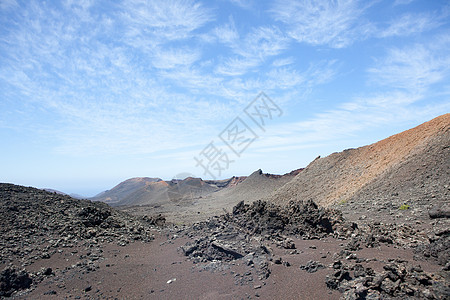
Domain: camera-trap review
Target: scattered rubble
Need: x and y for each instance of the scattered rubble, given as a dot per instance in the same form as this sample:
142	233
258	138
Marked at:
437	250
36	224
246	233
312	266
398	280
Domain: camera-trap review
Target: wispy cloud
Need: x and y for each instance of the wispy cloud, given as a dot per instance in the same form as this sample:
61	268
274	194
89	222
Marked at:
7	4
405	76
262	42
139	77
237	66
281	62
333	23
245	4
413	68
171	19
336	127
227	33
253	50
171	58
409	24
103	95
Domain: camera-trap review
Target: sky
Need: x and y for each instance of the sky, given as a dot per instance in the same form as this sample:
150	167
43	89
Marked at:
96	92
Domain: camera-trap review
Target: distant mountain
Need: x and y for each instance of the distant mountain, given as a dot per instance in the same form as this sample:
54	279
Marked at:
125	189
144	190
230	182
77	196
53	191
73	195
198	199
256	186
151	191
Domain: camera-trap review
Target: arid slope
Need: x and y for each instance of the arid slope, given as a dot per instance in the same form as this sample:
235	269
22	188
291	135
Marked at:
343	176
124	189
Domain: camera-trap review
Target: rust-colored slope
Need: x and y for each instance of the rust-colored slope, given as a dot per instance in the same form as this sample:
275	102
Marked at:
339	176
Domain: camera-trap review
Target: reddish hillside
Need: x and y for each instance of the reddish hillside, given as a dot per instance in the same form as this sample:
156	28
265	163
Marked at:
340	176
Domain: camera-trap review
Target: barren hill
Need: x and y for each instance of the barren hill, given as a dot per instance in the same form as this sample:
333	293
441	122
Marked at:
408	166
124	189
254	187
150	191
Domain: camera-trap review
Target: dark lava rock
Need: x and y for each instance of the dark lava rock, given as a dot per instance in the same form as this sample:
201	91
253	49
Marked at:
12	280
157	220
278	261
241	235
93	216
298	218
50	292
312	266
375	233
437	250
397	281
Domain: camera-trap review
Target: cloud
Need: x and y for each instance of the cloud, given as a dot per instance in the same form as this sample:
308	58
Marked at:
405	75
262	42
237	66
226	33
245	4
79	83
253	50
8	4
413	68
333	23
281	62
139	78
409	24
284	83
339	126
164	20
171	58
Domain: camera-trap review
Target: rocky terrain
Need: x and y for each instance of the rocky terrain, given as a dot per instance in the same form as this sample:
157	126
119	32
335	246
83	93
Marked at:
37	225
366	223
54	246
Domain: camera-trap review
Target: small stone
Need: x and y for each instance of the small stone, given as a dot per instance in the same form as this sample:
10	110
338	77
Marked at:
47	271
51	292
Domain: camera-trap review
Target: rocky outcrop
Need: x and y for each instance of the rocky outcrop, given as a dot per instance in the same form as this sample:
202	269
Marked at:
399	280
35	223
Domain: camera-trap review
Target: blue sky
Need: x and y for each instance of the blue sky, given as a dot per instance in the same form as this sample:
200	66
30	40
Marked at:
95	92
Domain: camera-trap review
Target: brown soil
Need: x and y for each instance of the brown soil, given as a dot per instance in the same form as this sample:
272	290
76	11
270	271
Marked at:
142	270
